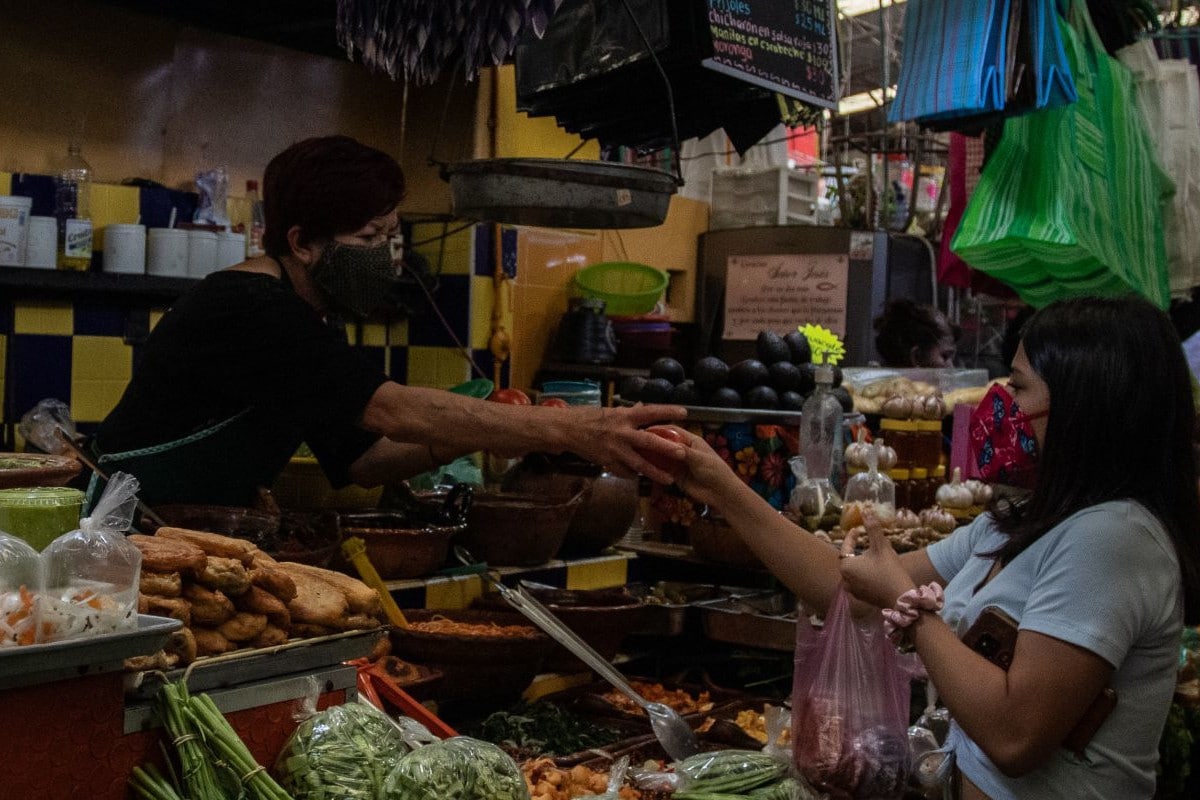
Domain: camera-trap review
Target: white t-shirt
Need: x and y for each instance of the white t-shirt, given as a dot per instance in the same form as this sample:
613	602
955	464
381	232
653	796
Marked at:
1106	579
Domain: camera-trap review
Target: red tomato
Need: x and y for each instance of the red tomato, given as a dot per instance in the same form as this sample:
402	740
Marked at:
554	402
665	464
514	397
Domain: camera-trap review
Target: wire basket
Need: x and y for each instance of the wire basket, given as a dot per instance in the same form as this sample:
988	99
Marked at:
626	287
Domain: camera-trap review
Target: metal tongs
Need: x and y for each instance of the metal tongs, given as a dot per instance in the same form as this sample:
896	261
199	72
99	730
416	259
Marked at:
672	732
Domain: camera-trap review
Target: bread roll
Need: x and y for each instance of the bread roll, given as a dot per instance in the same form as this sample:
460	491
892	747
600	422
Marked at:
183	644
226	574
317	602
168	555
173	607
274	580
243	626
358	622
271	636
209	607
163	584
361	598
213	544
305	630
211	643
260	601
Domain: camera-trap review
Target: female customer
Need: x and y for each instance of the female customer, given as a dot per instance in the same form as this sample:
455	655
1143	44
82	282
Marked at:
909	334
1099	566
246	366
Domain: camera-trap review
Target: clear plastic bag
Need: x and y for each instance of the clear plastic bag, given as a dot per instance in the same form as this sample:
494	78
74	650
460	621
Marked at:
460	768
344	751
871	490
850	708
213	186
20	592
92	573
41	424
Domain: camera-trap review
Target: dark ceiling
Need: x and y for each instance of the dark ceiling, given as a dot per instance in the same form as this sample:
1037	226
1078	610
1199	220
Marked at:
306	25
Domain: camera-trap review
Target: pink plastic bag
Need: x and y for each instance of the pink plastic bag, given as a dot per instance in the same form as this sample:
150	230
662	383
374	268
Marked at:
850	701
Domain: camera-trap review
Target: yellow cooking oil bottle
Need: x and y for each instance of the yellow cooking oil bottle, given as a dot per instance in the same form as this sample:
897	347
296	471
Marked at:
72	196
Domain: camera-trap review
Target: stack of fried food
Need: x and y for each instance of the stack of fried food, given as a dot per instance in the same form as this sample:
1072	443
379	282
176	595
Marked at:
229	595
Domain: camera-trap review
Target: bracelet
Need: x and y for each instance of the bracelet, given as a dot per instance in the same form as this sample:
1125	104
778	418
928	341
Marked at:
910	605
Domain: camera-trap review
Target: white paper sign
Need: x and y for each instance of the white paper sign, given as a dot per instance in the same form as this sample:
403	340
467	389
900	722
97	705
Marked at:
779	292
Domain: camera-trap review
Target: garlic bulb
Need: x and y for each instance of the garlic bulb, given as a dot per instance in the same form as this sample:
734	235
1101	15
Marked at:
887	456
940	520
897	407
955	494
981	493
907	518
932	407
856	452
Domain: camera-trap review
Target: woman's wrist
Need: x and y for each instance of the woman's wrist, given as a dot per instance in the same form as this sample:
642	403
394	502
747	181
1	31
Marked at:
910	606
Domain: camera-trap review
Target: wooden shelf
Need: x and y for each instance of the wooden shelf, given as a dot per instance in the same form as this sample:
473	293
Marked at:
67	285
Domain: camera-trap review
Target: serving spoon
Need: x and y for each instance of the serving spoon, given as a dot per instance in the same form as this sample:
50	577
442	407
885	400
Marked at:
672	732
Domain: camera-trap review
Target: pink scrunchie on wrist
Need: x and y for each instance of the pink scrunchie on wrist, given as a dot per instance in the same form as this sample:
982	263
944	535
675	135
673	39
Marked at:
910	605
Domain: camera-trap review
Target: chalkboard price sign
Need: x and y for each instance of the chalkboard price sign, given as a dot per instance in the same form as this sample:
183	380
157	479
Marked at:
788	46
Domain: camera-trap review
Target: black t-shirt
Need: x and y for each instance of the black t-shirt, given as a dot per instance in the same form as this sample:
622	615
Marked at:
243	340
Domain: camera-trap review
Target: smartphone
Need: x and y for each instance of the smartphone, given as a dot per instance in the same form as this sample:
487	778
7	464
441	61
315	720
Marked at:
994	636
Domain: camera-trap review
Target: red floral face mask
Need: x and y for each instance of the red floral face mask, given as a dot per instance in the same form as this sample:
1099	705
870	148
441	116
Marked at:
1002	445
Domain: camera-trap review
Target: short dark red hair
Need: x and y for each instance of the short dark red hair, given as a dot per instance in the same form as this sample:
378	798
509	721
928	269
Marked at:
327	185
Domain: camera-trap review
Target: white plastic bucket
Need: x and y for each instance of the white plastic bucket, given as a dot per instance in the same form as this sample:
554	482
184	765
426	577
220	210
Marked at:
231	249
14	229
41	244
167	252
125	249
201	253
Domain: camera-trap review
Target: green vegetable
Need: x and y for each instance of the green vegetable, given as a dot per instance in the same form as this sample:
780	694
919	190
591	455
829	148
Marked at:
149	784
200	780
344	752
225	744
727	772
543	729
456	769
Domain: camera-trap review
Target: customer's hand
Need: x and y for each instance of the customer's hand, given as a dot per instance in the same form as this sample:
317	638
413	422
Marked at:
875	576
617	439
703	475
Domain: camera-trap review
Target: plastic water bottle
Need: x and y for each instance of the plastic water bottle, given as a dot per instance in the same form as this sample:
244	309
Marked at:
821	426
254	236
72	199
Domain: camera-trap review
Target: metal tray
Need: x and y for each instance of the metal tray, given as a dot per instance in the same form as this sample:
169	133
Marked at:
671	619
43	663
764	622
243	666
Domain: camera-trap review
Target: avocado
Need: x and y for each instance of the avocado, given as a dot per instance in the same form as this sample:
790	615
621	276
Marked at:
808	379
785	376
711	374
668	369
686	394
797	343
745	375
791	401
763	397
725	397
843	397
771	347
657	390
632	388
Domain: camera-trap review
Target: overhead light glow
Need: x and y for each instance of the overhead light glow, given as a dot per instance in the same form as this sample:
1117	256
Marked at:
865	101
852	8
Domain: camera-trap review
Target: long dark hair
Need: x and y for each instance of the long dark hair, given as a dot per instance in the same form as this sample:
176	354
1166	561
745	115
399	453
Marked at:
905	324
327	185
1120	425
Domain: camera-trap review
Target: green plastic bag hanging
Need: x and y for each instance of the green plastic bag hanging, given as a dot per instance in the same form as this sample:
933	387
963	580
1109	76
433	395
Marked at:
1072	200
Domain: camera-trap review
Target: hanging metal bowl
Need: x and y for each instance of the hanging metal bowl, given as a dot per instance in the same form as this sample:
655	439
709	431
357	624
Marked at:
559	193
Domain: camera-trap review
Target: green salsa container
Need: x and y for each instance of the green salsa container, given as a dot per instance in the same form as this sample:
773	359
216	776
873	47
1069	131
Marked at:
40	515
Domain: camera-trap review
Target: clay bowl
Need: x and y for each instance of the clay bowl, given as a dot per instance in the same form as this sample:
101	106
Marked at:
22	470
495	669
509	529
397	547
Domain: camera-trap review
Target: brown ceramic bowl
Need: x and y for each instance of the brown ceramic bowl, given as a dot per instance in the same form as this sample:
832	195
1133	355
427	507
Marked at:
307	537
397	547
517	530
601	617
495	669
22	470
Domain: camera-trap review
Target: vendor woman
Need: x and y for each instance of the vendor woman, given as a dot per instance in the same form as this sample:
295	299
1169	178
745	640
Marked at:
244	367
